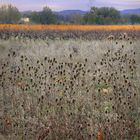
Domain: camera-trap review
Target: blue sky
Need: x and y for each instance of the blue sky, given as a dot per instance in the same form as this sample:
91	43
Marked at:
58	5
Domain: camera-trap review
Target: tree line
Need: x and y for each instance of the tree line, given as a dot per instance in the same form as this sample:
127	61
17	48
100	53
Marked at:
101	16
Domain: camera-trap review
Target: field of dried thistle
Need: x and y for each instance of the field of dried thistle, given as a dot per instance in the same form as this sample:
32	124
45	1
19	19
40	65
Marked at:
69	88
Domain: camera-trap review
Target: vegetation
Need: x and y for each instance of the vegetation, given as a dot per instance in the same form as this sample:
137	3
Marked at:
99	16
102	16
135	19
73	18
69	82
65	32
9	14
69	89
69	27
44	17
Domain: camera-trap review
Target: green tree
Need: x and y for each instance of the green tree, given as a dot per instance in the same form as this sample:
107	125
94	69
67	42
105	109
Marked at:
9	14
104	15
35	17
135	19
46	16
75	18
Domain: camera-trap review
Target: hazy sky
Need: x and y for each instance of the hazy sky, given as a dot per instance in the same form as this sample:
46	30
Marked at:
58	5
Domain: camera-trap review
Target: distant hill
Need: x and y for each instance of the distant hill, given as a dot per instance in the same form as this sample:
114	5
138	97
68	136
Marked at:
68	12
131	11
26	12
62	13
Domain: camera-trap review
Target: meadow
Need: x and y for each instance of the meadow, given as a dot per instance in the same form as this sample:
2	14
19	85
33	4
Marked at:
69	84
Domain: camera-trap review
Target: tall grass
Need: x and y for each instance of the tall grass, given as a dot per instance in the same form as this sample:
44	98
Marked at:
70	90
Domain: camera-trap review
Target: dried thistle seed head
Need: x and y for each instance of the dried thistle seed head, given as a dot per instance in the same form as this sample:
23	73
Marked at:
14	53
94	78
85	59
38	61
109	51
99	90
113	107
45	58
106	112
101	63
135	94
26	58
70	55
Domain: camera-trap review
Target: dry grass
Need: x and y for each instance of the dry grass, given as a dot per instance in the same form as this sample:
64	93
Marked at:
24	35
70	90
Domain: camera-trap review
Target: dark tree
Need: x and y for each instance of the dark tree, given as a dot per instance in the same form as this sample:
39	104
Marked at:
104	15
46	16
35	17
135	19
9	14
